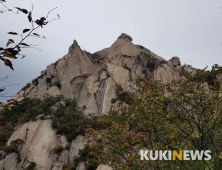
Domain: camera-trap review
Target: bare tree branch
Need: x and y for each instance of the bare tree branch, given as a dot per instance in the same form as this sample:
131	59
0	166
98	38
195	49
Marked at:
10	85
33	48
8	8
50	12
3	78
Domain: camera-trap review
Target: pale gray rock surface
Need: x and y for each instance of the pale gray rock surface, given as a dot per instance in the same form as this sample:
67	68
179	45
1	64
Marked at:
92	80
40	139
81	166
19	96
104	167
10	162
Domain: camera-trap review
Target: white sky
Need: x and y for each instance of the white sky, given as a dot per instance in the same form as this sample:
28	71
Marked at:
189	29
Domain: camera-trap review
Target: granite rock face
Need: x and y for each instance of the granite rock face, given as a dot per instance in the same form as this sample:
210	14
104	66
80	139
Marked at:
40	139
92	80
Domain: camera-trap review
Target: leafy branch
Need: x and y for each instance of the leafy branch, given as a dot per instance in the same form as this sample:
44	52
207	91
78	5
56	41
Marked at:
13	52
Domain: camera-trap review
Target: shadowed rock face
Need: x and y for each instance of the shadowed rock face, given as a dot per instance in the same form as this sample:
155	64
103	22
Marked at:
92	80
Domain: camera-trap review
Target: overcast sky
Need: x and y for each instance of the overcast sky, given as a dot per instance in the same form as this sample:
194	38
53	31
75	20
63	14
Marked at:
189	29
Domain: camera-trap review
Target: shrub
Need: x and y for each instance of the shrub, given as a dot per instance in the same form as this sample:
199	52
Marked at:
42	73
48	80
113	101
16	143
9	149
28	110
86	155
26	86
57	150
13	147
190	67
35	81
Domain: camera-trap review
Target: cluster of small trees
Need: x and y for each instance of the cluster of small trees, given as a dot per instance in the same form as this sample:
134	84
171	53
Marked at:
181	115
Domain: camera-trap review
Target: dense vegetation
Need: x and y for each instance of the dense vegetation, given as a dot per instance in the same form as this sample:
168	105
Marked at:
25	111
181	115
70	122
65	119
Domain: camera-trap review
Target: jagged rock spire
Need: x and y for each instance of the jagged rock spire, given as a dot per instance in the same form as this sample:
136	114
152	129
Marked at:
74	45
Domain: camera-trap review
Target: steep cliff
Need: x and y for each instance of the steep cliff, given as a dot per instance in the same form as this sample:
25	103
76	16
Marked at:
92	80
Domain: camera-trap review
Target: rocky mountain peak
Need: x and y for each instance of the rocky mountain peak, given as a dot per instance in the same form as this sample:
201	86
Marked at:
73	46
125	36
93	79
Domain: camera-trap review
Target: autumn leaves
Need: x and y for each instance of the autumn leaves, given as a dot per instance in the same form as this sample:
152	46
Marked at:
8	52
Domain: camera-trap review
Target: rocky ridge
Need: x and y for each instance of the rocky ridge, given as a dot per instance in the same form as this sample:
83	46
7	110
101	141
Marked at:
92	80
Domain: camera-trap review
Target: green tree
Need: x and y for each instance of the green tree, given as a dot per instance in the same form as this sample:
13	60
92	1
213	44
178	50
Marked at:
16	143
181	115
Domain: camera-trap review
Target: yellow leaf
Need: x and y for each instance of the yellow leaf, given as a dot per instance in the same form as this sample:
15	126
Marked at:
7	63
9	108
9	55
10	41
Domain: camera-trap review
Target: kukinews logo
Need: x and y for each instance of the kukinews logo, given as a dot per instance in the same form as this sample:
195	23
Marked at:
185	155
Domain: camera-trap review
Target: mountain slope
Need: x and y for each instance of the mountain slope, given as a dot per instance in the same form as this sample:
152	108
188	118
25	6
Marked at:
93	80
